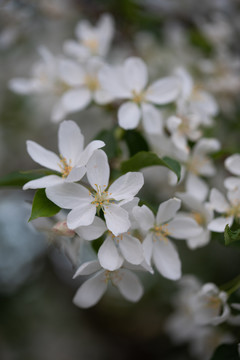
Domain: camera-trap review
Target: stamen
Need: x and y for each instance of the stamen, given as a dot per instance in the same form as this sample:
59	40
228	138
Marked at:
65	167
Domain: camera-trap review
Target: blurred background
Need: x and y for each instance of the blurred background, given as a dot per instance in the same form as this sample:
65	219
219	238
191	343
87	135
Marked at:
37	318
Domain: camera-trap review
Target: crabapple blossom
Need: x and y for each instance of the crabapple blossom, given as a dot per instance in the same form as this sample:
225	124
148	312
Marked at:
157	245
91	40
230	209
129	81
85	203
93	289
232	164
71	162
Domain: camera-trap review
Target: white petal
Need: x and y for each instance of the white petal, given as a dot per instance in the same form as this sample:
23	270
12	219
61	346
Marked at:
129	115
58	112
127	186
117	219
135	74
200	240
131	249
218	201
88	151
167	210
152	119
44	182
98	170
87	268
76	50
82	215
70	141
144	217
219	224
112	80
103	97
129	285
172	123
71	72
232	164
68	195
42	156
76	174
166	260
91	291
232	183
148	248
93	231
75	100
206	146
163	91
182	227
25	86
108	255
196	187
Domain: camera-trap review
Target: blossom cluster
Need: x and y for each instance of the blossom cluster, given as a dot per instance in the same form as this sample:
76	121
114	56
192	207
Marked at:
172	113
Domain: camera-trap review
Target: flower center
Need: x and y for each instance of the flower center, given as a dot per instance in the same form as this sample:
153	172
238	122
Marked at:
92	82
92	44
114	276
101	197
234	210
161	232
198	217
138	98
65	167
196	163
60	87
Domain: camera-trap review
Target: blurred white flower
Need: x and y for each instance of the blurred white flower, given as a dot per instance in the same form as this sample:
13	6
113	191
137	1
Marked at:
94	288
232	164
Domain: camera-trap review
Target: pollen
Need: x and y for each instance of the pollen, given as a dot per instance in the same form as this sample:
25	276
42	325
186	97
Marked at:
92	82
92	44
138	98
65	167
198	218
161	232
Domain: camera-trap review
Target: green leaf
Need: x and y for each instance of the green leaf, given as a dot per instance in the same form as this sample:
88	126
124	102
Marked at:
108	136
226	352
42	206
231	236
135	142
147	158
19	178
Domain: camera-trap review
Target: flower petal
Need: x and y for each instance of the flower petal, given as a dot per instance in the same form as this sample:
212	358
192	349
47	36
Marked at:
152	119
76	174
167	210
91	291
109	256
163	91
144	217
200	240
75	100
70	141
131	249
129	115
148	248
166	260
182	227
117	219
232	164
218	201
135	74
42	156
70	72
92	231
98	170
87	268
196	187
126	186
129	285
82	215
44	182
88	151
68	195
219	224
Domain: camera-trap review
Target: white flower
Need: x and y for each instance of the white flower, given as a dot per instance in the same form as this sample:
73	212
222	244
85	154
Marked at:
210	306
92	40
202	213
232	164
129	82
85	203
230	209
197	164
157	244
195	100
70	164
94	288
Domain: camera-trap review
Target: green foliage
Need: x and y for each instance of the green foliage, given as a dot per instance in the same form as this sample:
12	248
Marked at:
109	137
135	142
147	158
19	178
231	236
226	352
42	206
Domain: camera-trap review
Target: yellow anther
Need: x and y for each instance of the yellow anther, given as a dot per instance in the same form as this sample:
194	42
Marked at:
92	44
161	232
138	98
65	167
